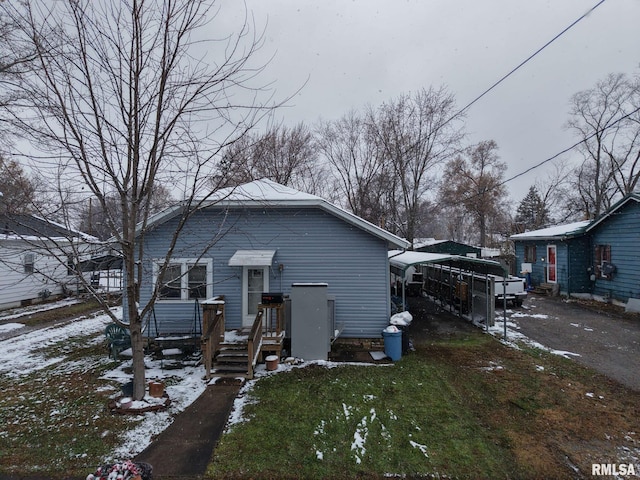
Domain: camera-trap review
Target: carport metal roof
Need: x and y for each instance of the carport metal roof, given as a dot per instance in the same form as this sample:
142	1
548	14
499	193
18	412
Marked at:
400	260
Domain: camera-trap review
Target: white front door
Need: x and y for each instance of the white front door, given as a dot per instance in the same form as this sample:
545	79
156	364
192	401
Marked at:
255	281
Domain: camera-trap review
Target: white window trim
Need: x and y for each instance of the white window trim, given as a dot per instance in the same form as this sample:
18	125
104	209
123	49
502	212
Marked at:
184	280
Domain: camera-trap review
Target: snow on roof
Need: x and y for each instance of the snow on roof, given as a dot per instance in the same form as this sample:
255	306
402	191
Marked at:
405	259
271	194
262	191
568	229
425	242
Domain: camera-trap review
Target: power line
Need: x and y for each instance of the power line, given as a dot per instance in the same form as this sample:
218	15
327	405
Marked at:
568	149
530	57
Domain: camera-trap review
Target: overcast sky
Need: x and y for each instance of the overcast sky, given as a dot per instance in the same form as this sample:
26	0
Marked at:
352	53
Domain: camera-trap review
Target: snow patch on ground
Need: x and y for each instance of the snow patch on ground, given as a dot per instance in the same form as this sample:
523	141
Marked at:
515	337
8	327
26	353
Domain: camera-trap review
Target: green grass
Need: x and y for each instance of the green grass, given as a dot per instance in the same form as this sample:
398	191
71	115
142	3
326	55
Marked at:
55	420
410	418
466	407
65	312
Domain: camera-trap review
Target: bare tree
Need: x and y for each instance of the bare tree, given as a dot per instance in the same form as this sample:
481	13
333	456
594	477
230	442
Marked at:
416	134
607	120
97	222
554	190
282	154
362	181
474	181
122	101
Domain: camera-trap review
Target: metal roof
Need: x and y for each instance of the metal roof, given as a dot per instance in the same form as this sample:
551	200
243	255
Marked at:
255	258
401	260
567	230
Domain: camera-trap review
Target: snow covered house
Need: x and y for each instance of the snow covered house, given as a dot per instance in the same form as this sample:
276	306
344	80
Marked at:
37	259
599	257
263	237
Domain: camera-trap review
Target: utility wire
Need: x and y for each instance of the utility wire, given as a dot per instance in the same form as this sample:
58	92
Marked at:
530	57
568	149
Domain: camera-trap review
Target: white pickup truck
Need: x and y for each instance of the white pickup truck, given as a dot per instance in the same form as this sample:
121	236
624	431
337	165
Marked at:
514	289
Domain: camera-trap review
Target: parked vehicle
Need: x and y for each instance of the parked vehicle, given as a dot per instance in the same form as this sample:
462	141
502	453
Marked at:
514	289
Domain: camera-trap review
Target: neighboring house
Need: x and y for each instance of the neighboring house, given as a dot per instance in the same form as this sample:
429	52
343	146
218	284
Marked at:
37	259
615	250
264	237
555	255
431	245
599	257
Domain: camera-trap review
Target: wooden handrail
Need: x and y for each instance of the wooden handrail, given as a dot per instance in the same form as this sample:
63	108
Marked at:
274	319
212	330
254	343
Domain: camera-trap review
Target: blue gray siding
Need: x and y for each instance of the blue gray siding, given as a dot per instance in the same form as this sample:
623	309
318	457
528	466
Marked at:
571	263
311	245
622	231
578	265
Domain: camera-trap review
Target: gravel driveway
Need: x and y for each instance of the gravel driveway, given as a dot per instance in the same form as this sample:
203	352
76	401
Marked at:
605	341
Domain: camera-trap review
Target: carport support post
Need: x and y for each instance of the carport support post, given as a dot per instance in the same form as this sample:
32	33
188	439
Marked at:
473	318
404	279
504	303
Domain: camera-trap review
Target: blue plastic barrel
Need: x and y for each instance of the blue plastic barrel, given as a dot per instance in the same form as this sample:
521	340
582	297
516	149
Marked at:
392	344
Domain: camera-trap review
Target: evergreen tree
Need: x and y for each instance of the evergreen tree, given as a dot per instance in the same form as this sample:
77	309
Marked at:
532	213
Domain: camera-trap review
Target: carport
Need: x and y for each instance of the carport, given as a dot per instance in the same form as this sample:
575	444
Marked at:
465	284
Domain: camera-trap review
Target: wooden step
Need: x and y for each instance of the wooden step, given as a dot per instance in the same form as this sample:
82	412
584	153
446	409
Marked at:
227	358
236	368
544	289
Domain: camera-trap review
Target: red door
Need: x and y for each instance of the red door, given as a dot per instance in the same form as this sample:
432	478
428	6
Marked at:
551	264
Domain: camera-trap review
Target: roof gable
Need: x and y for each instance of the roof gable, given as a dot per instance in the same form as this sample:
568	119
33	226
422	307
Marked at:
632	197
31	226
267	193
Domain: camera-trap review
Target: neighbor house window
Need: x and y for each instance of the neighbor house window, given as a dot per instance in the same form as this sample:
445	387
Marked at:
28	262
530	254
186	279
603	261
71	265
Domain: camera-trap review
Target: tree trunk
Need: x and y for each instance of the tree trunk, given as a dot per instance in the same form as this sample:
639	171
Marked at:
137	346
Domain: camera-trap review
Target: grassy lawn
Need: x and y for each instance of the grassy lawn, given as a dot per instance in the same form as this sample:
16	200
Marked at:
468	408
68	311
462	407
55	420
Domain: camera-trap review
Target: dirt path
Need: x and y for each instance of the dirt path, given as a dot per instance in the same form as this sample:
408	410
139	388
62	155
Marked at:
605	341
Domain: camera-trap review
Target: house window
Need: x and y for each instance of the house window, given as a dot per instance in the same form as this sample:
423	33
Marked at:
185	279
71	265
28	262
172	283
530	254
197	281
604	268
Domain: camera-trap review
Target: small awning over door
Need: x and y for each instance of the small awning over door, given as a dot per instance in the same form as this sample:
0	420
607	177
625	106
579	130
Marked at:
254	258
